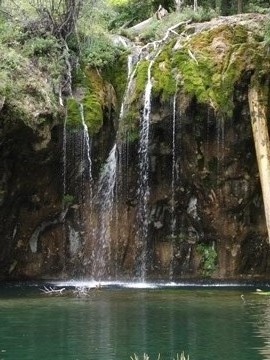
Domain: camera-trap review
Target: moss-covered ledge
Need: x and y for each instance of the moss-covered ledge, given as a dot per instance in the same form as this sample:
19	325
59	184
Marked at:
92	95
209	62
27	97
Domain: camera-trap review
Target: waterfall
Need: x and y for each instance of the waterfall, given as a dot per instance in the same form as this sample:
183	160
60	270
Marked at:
110	186
130	77
105	203
173	215
143	189
64	151
86	145
220	143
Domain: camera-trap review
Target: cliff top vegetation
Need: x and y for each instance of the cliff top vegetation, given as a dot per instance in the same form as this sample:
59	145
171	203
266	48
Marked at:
44	41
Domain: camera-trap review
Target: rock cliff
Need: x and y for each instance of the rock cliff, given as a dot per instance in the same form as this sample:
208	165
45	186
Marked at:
204	206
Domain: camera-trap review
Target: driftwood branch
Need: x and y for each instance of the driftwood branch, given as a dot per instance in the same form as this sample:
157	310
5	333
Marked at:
50	291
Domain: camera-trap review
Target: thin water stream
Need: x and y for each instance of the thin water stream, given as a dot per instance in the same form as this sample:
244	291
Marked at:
173	214
104	202
143	186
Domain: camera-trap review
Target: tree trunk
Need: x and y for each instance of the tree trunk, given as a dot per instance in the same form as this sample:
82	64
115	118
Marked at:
258	111
239	6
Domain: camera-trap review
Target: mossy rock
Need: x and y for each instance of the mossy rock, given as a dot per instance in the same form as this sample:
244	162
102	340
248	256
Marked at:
93	112
164	81
92	101
207	65
211	62
116	74
29	96
73	119
141	77
129	126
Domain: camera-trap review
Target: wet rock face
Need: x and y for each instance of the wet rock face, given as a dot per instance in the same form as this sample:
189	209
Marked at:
205	211
30	194
218	210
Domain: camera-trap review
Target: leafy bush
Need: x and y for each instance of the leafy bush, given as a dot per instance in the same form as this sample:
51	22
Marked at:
156	29
38	46
209	258
130	12
98	51
267	33
258	6
68	199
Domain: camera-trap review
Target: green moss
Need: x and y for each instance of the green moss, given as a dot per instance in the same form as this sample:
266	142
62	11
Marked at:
93	112
92	109
210	75
164	82
141	76
129	125
73	119
116	74
92	86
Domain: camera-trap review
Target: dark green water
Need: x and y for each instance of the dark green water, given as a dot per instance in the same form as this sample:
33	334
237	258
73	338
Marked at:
113	324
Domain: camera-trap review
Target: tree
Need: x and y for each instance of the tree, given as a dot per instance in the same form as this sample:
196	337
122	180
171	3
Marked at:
226	7
60	15
239	6
258	98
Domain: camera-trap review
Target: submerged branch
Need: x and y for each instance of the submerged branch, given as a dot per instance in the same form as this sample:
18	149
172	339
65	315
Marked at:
51	291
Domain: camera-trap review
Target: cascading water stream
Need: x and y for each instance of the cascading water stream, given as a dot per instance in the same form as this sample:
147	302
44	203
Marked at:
143	189
105	202
86	145
64	150
107	199
111	182
220	142
173	215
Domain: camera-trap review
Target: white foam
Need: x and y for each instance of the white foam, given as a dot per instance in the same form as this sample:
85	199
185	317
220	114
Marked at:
92	284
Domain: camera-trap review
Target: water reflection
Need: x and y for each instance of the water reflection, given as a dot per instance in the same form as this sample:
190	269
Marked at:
114	324
261	318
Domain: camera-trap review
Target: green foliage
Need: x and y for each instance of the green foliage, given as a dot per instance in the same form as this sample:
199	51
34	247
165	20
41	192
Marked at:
68	199
202	13
99	51
258	6
130	12
40	46
209	258
156	29
267	33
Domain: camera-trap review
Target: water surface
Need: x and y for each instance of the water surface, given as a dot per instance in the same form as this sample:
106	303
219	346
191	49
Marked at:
114	323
